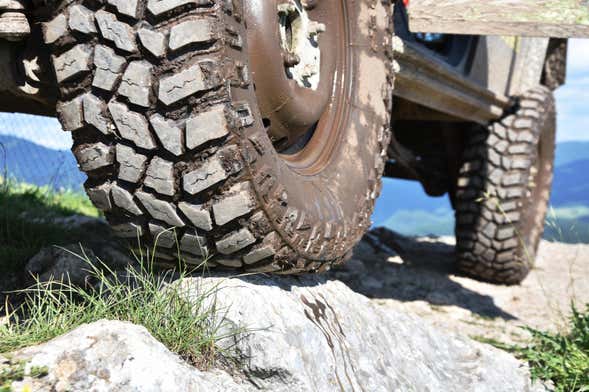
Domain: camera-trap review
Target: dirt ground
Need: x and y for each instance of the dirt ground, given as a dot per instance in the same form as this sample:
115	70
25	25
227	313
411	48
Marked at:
417	275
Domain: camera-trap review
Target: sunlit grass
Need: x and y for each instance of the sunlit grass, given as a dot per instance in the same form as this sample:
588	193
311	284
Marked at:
137	295
561	358
26	220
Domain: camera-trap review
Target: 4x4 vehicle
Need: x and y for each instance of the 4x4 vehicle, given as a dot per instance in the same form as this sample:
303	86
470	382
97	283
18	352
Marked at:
253	134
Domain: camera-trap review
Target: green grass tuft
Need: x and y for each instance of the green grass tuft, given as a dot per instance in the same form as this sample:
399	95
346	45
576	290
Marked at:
561	358
137	295
189	328
17	371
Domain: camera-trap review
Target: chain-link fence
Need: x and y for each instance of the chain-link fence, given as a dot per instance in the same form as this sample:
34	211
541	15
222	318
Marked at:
35	150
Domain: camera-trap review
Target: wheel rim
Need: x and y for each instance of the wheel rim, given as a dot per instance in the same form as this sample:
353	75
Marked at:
302	91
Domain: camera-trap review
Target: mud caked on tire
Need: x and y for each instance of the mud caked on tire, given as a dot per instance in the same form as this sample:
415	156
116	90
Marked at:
171	122
504	190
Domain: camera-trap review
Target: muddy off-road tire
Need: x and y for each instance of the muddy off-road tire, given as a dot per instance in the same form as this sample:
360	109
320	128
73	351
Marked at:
504	190
165	101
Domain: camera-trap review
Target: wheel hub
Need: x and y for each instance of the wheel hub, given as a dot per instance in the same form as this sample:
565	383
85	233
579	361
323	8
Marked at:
297	51
299	39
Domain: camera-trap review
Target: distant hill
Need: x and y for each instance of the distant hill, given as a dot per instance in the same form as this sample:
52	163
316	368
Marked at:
571	184
406	208
568	152
407	196
35	164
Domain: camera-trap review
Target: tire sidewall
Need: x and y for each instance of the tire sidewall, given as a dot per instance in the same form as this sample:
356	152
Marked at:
322	216
535	207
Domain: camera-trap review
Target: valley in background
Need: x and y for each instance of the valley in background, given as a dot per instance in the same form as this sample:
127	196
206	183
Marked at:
403	207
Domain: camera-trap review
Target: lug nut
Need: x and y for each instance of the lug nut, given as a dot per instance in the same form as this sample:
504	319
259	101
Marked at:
291	59
286	8
315	28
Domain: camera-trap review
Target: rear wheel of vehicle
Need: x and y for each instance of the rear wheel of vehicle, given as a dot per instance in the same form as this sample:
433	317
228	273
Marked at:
245	134
504	189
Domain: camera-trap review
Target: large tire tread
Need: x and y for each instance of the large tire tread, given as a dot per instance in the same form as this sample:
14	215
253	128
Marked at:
495	239
153	93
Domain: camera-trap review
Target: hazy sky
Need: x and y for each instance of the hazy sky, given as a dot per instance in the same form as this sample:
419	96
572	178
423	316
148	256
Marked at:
573	98
572	102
